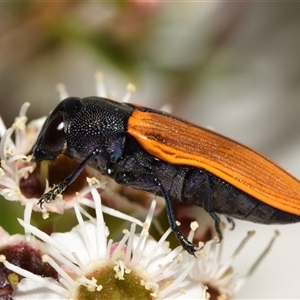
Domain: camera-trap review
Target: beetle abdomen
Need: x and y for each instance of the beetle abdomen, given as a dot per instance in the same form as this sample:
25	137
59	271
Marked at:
228	200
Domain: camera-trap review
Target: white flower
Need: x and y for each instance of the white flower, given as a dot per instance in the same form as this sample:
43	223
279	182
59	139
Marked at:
21	179
27	255
89	266
220	276
25	181
86	263
15	164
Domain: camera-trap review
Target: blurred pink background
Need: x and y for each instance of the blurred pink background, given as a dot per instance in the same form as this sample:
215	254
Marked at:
233	66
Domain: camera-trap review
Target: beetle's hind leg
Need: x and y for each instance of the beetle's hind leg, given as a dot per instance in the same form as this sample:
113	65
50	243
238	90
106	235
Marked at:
152	183
185	243
207	207
231	221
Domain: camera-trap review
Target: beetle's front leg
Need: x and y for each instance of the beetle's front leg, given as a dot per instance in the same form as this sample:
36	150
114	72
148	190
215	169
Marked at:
58	189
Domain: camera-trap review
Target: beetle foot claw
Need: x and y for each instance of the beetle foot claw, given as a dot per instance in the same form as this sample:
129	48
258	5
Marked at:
186	244
50	196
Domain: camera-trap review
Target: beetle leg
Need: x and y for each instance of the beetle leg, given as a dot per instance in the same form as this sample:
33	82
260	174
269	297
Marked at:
217	224
231	221
185	243
207	207
127	179
58	189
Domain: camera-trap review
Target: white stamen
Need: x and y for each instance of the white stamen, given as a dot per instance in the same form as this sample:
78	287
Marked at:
167	260
137	253
151	212
27	217
85	236
90	284
263	255
52	285
62	91
108	249
168	108
194	225
121	244
183	273
129	248
46	258
157	246
65	261
2	127
47	239
24	109
111	212
223	269
101	238
86	214
130	89
243	243
6	142
100	86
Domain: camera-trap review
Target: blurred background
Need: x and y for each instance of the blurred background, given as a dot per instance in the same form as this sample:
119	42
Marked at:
233	66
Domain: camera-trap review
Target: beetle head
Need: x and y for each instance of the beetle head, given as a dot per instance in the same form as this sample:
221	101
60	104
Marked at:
77	127
52	139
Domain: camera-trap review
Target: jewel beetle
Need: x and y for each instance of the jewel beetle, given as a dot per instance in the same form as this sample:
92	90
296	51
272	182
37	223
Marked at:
153	151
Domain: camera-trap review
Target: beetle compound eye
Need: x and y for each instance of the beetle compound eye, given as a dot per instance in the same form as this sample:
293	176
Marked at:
54	137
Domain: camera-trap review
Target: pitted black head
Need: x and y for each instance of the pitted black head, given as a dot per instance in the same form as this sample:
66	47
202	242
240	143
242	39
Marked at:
76	127
52	140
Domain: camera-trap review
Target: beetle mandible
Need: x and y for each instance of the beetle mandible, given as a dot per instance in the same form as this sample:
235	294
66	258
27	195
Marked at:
153	151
